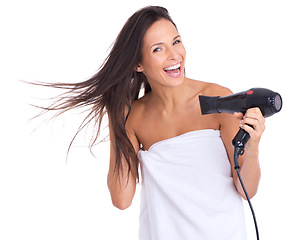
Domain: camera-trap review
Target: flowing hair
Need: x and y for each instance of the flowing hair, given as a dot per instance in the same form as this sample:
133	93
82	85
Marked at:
114	87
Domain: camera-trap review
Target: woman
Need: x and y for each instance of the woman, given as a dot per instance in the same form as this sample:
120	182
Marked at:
189	187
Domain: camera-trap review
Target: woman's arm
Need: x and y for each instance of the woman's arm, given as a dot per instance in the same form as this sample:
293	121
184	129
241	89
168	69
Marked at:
250	170
249	162
121	186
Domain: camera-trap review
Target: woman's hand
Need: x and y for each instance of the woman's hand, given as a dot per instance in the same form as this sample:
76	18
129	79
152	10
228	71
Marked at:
255	118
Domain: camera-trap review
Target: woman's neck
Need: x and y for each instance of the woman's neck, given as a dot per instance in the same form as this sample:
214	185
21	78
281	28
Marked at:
170	98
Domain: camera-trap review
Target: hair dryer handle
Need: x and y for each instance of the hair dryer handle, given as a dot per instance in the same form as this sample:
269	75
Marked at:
241	138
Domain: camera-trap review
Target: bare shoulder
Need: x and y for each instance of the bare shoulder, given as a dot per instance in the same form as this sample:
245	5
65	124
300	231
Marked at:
139	106
210	89
137	112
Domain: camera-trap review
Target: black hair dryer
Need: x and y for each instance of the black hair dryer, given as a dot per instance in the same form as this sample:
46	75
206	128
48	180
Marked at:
267	101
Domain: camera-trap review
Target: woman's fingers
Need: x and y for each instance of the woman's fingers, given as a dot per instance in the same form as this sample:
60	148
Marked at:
255	118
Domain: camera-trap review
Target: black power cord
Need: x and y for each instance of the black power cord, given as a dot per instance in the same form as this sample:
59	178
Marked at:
239	150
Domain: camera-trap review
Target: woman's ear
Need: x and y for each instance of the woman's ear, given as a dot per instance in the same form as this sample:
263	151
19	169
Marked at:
139	68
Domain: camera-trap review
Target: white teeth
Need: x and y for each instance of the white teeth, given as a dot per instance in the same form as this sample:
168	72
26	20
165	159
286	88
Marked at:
173	67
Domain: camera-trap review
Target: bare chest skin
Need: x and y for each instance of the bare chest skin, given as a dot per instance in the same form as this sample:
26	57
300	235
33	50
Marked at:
160	125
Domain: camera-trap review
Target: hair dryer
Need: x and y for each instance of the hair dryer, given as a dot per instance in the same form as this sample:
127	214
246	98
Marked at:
267	101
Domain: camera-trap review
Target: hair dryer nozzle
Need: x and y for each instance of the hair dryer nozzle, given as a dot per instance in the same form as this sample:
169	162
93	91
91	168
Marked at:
208	104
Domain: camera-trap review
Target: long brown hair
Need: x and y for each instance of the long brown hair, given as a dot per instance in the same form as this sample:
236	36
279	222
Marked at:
115	86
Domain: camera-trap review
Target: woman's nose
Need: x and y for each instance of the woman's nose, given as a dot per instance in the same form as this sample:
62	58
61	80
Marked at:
172	54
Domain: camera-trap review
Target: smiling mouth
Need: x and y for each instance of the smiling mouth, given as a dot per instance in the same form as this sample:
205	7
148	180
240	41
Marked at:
174	70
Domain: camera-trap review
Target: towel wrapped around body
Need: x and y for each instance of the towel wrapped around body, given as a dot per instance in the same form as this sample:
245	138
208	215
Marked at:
187	190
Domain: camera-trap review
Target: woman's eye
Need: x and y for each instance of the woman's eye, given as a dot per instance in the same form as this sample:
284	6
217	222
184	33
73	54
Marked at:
176	42
157	50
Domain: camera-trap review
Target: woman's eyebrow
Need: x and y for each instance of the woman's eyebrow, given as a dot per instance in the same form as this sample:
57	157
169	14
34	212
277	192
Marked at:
162	42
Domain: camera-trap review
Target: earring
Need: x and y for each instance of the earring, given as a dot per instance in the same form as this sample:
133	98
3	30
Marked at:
139	68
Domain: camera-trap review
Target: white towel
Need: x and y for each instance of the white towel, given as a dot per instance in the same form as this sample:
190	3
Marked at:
187	190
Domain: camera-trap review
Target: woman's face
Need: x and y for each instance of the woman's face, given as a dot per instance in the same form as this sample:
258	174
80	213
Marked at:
163	55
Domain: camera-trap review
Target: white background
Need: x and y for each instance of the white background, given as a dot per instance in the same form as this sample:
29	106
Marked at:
238	44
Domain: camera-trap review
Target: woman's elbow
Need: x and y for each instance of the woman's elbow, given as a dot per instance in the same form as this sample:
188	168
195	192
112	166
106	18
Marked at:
121	199
122	194
121	203
251	194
